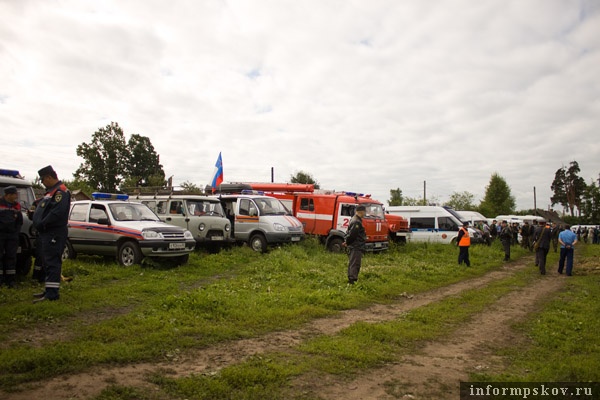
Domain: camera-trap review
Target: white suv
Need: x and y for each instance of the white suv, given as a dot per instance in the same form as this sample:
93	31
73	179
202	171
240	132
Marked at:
129	231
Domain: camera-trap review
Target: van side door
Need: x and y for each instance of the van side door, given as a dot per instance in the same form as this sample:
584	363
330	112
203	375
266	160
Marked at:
246	218
177	214
447	229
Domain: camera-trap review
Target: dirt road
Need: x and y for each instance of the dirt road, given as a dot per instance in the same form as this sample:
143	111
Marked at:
432	372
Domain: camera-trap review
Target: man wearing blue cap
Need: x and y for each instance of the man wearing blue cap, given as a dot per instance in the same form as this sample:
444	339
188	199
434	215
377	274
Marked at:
11	220
50	218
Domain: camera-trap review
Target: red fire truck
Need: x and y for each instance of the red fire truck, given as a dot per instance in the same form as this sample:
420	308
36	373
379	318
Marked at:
327	214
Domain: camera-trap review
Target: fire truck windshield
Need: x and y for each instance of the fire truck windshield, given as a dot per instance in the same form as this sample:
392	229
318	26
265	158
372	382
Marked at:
374	210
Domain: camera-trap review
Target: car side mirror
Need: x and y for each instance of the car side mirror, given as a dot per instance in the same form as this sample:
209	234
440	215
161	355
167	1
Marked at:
103	221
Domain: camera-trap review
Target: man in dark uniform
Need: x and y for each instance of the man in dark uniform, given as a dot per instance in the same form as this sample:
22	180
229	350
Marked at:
555	231
542	239
493	230
525	235
515	232
532	229
356	238
506	237
50	219
11	220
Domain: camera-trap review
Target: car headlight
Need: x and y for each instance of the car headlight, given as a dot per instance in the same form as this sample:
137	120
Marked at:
188	235
148	235
279	228
227	228
201	227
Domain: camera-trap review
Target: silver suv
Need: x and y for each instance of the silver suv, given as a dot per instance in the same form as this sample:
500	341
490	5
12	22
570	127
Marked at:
9	177
129	231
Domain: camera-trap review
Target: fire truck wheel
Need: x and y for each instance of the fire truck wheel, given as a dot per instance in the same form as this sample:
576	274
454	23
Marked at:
335	245
258	243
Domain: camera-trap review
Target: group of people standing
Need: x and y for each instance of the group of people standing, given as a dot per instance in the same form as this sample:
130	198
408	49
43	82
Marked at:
589	234
50	219
539	238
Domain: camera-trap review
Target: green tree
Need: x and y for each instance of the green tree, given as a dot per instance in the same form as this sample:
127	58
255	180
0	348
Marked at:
461	201
591	203
78	184
395	197
104	158
143	163
190	188
498	199
304	177
109	162
568	187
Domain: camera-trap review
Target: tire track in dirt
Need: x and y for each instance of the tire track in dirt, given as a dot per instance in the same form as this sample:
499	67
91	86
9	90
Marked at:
209	360
435	371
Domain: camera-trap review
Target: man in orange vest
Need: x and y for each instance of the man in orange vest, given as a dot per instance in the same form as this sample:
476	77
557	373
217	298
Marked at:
463	241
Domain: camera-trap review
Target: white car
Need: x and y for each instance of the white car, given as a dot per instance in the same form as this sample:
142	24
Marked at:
129	231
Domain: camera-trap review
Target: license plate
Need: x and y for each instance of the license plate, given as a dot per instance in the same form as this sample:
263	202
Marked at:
295	239
377	244
217	238
176	245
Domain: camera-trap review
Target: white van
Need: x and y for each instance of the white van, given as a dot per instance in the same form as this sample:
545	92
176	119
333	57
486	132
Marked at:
434	224
260	220
473	217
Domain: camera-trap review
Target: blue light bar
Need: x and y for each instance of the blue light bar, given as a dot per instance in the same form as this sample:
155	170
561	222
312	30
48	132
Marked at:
10	172
109	196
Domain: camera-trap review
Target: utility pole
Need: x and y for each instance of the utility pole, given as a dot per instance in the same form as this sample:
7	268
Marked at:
534	203
272	174
424	193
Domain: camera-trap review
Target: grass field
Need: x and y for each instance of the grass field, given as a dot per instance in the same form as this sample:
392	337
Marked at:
110	315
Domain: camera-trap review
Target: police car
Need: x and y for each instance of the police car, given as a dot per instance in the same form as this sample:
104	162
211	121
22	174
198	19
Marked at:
111	226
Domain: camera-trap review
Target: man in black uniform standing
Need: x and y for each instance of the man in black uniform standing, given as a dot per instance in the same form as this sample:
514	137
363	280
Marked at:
11	220
50	219
506	239
356	238
542	239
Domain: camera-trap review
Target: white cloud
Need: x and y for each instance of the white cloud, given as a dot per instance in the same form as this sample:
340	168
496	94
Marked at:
364	96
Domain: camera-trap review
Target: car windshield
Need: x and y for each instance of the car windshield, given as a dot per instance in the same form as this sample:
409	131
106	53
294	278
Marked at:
374	210
204	207
271	206
132	212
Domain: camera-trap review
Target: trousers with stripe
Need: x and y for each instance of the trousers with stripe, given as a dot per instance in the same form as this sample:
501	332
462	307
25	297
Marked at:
52	246
8	257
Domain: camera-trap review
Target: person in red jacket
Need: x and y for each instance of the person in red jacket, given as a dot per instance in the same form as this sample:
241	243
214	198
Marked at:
463	241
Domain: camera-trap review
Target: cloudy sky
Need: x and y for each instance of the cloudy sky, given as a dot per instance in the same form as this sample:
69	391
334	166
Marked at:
363	95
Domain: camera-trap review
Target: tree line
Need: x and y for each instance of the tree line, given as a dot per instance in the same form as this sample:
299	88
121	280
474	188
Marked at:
111	163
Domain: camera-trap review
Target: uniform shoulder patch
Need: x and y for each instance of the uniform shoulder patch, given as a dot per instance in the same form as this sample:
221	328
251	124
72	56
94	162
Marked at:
58	197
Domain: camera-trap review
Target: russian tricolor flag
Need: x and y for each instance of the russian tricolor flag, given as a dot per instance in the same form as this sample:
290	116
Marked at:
218	174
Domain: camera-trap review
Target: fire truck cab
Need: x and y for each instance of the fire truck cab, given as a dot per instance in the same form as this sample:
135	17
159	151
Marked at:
326	214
